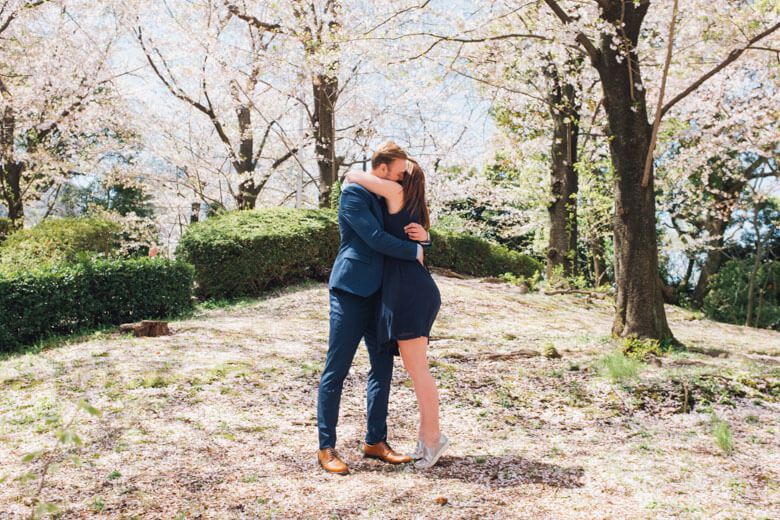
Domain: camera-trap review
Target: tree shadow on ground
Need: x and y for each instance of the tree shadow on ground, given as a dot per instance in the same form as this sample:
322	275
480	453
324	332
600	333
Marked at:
491	471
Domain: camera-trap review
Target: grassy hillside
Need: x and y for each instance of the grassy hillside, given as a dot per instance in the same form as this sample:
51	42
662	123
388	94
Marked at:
217	420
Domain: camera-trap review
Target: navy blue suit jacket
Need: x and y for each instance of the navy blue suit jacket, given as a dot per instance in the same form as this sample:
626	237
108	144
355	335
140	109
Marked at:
364	242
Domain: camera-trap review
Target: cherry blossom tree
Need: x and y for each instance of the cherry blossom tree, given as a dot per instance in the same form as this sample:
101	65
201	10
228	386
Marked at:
59	108
218	70
363	90
613	35
544	99
315	27
715	151
619	39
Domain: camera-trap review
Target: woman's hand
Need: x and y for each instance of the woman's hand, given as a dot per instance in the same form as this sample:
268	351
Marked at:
416	232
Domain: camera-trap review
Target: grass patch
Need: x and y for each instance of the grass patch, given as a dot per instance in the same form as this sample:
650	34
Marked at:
507	398
22	382
240	302
721	431
220	372
81	336
309	370
154	380
443	371
618	367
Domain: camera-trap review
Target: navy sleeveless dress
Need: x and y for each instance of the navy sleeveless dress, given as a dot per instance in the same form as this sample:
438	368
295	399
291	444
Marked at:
410	299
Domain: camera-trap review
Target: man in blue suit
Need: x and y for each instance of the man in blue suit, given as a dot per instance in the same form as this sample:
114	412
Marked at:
354	294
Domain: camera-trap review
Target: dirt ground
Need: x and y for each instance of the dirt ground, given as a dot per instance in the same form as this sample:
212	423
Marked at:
218	419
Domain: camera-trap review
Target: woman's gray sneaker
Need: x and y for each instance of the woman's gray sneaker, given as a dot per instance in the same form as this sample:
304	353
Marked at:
417	454
431	455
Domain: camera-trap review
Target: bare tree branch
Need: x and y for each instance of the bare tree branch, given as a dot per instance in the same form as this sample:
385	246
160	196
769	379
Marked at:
591	49
28	5
252	20
657	121
177	92
395	15
732	56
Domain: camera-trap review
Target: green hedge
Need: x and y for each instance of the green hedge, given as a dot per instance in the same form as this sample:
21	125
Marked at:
468	254
242	253
58	240
63	298
245	252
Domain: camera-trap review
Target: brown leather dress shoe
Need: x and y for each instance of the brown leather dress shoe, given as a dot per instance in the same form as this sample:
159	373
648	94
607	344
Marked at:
331	462
382	451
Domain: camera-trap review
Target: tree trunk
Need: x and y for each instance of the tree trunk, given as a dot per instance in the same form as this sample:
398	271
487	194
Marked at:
727	194
12	192
686	281
245	164
247	194
761	295
562	246
753	275
325	90
712	261
639	300
10	170
599	270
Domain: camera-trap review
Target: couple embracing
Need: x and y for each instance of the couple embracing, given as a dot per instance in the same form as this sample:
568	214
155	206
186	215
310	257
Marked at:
381	291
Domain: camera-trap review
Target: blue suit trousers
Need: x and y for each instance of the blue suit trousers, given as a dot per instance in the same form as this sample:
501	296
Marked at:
353	317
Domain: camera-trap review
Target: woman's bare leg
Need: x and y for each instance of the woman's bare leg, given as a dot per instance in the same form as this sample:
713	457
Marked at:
415	358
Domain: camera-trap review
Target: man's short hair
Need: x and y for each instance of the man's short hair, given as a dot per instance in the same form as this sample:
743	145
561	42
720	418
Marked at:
386	154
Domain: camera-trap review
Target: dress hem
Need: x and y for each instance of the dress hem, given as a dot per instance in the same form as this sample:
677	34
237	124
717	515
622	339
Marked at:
392	343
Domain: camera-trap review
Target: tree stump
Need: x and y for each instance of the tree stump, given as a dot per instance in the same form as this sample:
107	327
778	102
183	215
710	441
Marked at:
147	328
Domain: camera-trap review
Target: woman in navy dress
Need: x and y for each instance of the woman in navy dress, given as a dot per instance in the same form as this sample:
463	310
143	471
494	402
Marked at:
409	302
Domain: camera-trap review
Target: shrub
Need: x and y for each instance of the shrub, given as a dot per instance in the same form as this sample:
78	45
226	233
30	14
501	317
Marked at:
242	253
58	240
64	298
550	352
530	283
644	348
726	299
468	254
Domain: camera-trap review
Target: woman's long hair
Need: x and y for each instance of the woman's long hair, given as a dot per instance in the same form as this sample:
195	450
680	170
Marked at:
414	193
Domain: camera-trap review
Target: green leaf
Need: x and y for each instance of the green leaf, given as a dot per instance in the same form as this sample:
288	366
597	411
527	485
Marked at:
89	408
33	455
69	437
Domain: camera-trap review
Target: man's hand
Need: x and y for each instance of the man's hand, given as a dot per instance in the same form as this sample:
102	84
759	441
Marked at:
416	232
